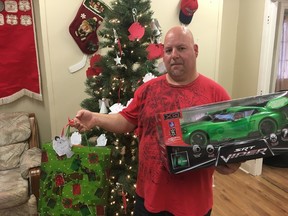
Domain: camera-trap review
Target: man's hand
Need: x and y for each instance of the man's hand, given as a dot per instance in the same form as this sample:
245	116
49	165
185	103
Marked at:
86	120
228	168
83	121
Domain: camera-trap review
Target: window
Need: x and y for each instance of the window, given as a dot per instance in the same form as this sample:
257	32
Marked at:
282	74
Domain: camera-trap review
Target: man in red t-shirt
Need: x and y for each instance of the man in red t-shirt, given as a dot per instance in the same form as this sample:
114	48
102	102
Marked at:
158	191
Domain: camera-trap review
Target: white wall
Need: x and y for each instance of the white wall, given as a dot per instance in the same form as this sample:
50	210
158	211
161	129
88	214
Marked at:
227	43
205	25
65	90
248	48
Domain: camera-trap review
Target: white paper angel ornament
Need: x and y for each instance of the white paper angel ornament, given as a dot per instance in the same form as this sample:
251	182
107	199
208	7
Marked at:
104	104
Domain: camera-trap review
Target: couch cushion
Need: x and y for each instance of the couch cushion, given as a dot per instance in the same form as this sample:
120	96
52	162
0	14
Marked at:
29	159
10	155
14	127
14	192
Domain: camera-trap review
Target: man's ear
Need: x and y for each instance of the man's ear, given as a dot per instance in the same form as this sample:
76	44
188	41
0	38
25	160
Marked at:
196	49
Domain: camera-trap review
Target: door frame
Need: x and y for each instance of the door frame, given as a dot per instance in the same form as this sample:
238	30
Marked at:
254	167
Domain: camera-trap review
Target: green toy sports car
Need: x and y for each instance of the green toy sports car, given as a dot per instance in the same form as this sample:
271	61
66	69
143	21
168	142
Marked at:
237	123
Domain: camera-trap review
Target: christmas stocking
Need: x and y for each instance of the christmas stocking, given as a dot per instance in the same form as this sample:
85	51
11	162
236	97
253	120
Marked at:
84	27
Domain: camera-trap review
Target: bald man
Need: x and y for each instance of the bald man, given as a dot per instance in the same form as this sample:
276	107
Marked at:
158	191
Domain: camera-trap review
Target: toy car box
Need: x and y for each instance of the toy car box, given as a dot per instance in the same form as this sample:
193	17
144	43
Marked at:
225	132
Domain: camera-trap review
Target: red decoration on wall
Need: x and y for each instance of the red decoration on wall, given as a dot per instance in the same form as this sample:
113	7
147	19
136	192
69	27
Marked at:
19	70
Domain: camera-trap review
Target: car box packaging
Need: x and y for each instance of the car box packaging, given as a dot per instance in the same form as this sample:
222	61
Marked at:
225	132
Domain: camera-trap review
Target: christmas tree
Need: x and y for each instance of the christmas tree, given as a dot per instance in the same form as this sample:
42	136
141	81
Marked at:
130	38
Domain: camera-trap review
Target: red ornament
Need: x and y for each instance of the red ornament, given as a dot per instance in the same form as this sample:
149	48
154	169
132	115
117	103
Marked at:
76	189
136	31
155	51
94	59
90	72
94	70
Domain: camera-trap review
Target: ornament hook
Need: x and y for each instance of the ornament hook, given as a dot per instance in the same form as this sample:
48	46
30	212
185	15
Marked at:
115	36
134	13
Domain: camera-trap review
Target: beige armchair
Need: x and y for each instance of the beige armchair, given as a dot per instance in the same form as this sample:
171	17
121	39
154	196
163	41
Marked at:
20	160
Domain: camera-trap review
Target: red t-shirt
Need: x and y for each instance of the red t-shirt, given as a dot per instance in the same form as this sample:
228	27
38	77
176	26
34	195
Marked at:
185	194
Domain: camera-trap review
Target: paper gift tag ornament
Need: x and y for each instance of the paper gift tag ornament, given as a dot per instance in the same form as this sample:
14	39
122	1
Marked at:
102	140
61	145
84	27
136	30
155	51
116	108
76	138
148	76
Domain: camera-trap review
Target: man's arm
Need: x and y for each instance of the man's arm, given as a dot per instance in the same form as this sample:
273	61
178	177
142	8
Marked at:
116	123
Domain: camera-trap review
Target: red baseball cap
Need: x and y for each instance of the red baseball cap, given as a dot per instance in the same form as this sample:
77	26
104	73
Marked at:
187	10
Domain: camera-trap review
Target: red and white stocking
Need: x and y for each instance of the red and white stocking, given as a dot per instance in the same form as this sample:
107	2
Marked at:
84	27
